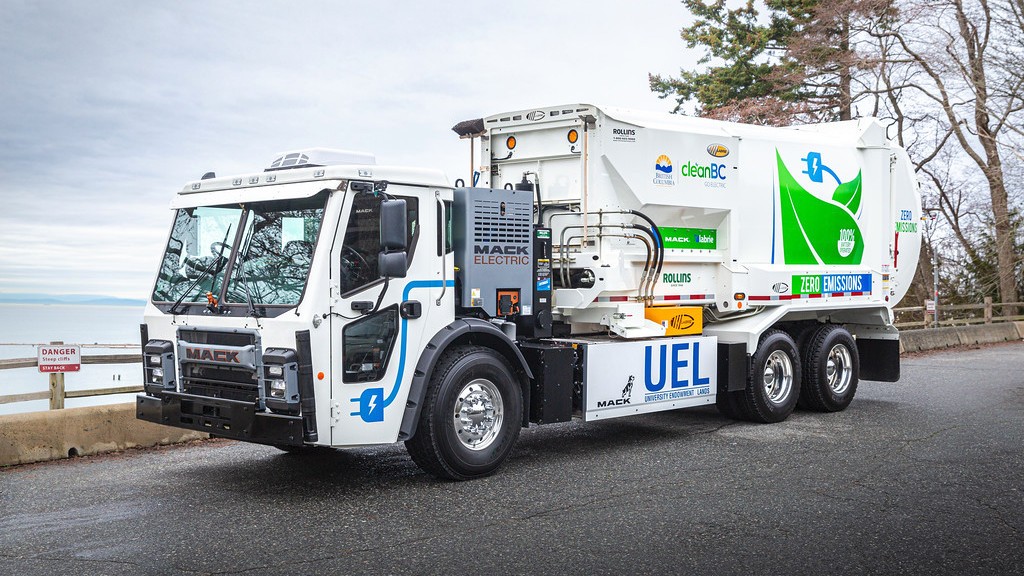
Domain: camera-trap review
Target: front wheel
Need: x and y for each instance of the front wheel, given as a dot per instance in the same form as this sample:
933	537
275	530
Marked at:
471	417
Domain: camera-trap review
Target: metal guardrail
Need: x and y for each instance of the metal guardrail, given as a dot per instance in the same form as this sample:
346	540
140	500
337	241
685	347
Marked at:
56	393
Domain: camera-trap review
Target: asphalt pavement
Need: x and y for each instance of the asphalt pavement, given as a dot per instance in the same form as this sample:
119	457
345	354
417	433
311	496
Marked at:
925	476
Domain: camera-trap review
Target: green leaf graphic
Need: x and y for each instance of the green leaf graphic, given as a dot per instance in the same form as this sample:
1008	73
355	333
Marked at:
848	194
816	231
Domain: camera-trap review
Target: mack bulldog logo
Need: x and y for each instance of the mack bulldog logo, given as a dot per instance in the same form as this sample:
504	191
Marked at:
627	391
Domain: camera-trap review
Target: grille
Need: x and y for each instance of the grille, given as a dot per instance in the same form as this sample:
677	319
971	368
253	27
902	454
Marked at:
219	380
502	222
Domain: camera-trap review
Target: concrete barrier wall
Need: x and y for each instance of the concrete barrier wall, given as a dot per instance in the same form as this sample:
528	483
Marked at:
938	338
55	434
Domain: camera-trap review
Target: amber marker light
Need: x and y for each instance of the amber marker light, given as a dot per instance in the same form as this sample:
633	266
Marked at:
739	296
319	375
573	136
510	142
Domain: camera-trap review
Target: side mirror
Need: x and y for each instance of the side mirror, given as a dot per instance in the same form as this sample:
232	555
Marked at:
393	224
392	264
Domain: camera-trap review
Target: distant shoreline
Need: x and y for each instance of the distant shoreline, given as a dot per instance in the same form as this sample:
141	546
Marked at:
97	302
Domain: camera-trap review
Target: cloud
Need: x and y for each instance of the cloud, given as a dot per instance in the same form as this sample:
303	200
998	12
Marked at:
107	108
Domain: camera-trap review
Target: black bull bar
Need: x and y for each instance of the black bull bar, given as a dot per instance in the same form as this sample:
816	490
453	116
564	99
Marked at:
225	418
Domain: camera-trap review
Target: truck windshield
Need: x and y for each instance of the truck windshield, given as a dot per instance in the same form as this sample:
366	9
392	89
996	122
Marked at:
275	242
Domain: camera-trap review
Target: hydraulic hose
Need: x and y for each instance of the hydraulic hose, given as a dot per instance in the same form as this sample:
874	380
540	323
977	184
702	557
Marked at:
658	242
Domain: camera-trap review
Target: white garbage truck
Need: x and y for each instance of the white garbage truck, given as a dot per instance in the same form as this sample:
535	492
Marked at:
595	263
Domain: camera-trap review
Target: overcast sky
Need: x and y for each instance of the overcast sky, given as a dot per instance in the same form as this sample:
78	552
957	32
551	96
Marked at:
108	108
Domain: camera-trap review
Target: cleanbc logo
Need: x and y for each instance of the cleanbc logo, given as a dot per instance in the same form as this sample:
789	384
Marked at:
703	171
818	230
663	171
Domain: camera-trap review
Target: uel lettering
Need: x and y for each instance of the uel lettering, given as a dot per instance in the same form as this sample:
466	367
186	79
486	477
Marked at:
671	362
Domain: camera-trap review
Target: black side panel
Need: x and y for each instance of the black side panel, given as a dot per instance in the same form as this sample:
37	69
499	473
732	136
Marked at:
144	332
307	396
879	359
552	386
476	331
733	364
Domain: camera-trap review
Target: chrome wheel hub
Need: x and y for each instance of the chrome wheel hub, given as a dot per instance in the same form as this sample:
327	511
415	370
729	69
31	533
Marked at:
838	369
778	377
478	414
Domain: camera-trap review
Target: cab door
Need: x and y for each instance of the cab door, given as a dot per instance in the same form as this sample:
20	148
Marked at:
378	325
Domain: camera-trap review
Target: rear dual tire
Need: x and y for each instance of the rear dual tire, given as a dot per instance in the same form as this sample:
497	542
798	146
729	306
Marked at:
773	384
831	368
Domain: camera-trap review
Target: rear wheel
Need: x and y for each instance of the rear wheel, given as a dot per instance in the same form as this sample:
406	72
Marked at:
773	386
832	369
471	417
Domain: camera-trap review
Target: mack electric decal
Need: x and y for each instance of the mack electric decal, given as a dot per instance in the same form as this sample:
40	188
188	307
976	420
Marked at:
818	230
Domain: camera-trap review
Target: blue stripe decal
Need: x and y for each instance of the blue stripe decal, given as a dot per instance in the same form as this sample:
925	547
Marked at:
372	401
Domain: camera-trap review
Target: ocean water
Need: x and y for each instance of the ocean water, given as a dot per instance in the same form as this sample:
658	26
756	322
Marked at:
99	329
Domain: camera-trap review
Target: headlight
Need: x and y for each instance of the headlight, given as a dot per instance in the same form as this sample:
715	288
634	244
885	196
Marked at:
158	368
278	388
280	380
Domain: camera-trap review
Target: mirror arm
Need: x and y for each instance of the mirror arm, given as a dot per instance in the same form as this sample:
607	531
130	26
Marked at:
444	271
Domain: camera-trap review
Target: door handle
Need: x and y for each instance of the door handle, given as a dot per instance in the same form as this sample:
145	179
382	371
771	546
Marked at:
411	309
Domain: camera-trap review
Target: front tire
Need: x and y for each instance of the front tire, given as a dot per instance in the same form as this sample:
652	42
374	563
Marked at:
832	369
471	417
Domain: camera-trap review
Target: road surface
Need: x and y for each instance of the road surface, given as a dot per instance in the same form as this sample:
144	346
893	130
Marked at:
920	477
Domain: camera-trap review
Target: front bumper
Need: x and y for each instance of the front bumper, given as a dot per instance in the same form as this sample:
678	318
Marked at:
225	418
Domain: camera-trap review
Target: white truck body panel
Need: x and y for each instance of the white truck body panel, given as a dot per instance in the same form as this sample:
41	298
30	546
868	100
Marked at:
820	217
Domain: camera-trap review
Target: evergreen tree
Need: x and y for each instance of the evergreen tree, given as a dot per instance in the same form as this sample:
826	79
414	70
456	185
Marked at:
773	61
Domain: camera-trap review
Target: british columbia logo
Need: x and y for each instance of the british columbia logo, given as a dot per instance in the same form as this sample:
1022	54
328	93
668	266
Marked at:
663	171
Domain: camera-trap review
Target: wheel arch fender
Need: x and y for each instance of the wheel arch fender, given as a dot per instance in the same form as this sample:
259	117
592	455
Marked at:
462	331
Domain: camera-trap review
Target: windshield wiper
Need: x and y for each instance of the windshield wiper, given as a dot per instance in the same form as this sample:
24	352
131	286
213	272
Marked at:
203	274
244	277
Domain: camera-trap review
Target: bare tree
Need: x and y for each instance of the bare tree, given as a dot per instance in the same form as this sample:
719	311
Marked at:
957	45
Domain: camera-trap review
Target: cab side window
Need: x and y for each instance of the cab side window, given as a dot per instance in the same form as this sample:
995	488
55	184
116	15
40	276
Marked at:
361	247
367	344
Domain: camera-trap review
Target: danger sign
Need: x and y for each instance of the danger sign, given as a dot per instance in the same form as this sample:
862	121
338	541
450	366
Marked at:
59	357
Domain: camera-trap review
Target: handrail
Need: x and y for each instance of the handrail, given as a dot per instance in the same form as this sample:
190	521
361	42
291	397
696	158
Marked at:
56	393
964	314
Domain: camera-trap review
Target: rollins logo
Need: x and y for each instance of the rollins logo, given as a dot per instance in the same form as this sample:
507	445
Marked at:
226	356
